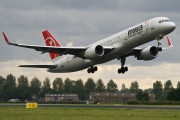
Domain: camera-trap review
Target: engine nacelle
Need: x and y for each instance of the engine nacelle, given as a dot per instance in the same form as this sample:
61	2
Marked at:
94	52
148	53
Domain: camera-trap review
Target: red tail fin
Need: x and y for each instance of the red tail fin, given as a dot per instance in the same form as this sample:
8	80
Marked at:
51	41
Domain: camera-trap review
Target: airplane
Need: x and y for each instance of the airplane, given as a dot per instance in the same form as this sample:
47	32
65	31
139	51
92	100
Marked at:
118	46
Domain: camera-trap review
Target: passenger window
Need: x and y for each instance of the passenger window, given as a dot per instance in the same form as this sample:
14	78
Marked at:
162	20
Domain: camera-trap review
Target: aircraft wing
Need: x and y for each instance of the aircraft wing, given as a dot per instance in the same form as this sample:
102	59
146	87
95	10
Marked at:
54	49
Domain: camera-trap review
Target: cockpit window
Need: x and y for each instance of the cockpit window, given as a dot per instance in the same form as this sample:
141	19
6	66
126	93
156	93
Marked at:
167	20
161	21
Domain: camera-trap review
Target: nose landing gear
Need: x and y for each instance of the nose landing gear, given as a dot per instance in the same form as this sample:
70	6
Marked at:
159	42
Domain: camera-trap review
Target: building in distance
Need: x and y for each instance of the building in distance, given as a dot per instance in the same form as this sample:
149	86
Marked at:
61	97
121	98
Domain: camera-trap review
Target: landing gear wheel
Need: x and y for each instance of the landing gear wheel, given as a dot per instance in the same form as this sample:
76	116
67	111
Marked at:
126	69
160	49
119	71
95	68
122	70
88	70
92	69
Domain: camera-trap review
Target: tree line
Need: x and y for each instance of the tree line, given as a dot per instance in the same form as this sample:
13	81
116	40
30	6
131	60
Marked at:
166	93
22	89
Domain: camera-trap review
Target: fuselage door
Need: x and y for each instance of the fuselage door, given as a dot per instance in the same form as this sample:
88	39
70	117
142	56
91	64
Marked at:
152	25
125	35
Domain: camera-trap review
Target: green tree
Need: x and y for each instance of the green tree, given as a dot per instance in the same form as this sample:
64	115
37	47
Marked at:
23	88
2	83
145	96
46	84
134	87
35	86
168	85
22	81
157	89
142	95
68	86
58	85
79	89
111	86
174	95
123	88
100	86
89	87
139	95
11	80
46	88
178	85
9	89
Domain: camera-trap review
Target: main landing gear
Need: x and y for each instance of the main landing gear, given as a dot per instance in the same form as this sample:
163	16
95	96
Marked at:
122	69
92	69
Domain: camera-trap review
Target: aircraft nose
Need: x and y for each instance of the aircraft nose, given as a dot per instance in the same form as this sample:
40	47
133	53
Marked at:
172	26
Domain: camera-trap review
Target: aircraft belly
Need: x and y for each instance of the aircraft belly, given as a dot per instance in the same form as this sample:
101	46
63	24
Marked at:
73	65
76	65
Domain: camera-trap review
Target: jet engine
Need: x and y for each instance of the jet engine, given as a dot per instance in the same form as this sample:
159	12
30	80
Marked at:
94	52
148	53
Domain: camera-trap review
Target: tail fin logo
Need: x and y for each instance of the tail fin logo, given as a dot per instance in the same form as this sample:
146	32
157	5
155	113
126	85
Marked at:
51	41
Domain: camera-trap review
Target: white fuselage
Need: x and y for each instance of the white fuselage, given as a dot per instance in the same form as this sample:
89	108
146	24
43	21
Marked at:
123	43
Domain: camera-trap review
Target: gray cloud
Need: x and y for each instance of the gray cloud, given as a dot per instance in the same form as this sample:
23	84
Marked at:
88	20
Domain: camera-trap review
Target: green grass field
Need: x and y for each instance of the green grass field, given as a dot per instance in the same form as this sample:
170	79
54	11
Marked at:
21	113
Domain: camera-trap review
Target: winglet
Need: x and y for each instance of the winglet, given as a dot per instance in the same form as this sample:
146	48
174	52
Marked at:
169	42
170	45
6	39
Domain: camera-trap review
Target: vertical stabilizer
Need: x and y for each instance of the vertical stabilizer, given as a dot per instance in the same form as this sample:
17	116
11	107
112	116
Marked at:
51	41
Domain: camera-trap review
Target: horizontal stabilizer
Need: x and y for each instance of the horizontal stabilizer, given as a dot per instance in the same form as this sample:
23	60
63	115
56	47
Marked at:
39	66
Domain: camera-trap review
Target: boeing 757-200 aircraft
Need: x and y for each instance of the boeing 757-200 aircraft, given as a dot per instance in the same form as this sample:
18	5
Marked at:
118	46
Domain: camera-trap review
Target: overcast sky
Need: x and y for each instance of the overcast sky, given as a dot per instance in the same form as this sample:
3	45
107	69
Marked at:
82	22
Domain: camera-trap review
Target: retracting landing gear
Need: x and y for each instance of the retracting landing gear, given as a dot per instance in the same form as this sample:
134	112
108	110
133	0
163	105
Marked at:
92	69
123	69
